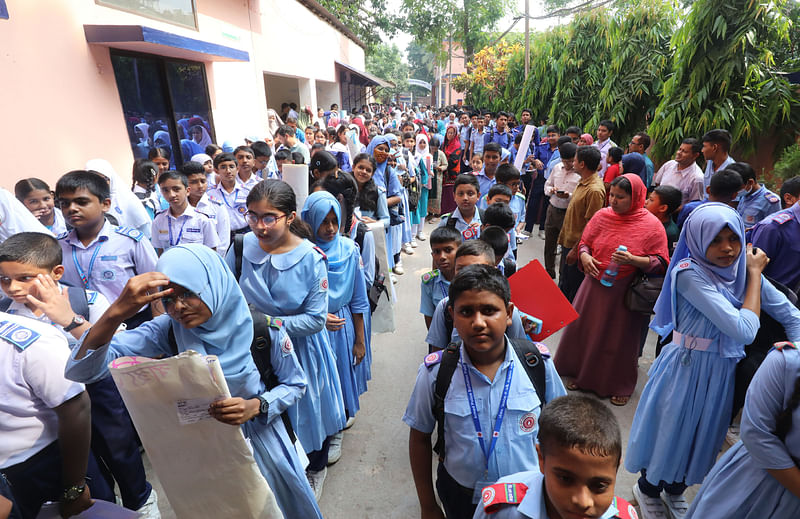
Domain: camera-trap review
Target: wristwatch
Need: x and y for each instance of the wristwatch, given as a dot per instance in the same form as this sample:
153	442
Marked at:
77	320
73	493
263	407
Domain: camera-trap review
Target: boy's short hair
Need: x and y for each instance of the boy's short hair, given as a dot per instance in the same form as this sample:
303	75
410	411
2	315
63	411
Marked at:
499	214
492	146
553	129
590	156
563	140
616	153
506	173
497	240
407	135
283	154
32	248
476	248
92	181
479	277
465	178
791	186
581	422
745	170
518	138
192	168
499	189
567	150
224	157
725	183
444	234
285	130
670	196
261	149
573	129
719	136
171	174
298	158
247	149
608	124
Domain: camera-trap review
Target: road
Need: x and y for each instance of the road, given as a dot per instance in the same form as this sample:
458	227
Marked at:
373	478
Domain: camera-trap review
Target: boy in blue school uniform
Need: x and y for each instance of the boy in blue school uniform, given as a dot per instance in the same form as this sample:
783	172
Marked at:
30	270
435	284
213	209
755	202
491	409
100	256
579	452
466	218
231	192
180	223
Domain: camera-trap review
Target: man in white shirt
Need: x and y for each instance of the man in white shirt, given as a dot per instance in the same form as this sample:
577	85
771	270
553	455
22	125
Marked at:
604	143
559	187
683	172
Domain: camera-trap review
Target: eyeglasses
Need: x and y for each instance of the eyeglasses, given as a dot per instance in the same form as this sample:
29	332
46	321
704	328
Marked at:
267	219
173	299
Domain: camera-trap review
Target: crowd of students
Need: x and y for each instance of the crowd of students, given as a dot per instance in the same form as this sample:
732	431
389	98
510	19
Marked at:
194	252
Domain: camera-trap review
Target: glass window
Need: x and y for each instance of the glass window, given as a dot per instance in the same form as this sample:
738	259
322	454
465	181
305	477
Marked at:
165	103
179	12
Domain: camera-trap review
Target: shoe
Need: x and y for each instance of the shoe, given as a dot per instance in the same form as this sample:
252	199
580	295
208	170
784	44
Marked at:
650	507
149	510
676	505
732	436
335	449
414	244
407	249
316	480
525	233
519	240
350	422
541	235
421	236
393	278
398	268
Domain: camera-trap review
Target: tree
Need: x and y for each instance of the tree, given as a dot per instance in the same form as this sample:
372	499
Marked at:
386	62
363	17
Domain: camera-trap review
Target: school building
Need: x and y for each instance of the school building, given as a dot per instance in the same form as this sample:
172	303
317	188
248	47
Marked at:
89	79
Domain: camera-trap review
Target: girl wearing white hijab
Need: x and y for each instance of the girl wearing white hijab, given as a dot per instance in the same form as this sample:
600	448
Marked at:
125	206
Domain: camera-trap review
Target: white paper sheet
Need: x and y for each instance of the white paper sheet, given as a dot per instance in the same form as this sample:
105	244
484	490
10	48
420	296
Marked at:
205	466
523	146
383	318
99	510
296	175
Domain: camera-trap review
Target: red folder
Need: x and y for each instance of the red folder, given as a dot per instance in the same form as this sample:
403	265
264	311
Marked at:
534	292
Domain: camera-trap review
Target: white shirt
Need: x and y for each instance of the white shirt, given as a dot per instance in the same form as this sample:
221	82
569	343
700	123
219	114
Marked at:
32	385
189	227
689	181
561	180
604	147
98	304
216	211
234	201
15	217
249	184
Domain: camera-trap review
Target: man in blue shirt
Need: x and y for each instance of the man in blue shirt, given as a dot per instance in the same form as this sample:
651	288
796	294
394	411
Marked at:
500	133
755	202
716	145
525	118
639	144
536	211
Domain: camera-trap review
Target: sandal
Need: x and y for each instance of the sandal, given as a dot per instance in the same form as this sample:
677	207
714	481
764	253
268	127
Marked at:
620	400
572	386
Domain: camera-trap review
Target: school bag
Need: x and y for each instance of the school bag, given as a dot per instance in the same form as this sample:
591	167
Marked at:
261	347
527	352
396	216
509	138
77	300
378	287
451	222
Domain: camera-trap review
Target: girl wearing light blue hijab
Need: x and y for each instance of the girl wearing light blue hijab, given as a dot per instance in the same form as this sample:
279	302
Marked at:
347	292
380	148
712	297
208	314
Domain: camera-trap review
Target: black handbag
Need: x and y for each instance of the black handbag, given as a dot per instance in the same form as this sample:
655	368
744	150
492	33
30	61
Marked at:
644	290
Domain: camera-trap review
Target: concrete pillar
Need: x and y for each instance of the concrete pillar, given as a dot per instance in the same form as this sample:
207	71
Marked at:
308	93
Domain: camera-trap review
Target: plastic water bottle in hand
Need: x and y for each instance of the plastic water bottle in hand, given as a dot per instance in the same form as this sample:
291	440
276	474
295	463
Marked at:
610	274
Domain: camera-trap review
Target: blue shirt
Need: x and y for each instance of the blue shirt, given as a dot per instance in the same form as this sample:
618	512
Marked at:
778	236
544	154
534	139
709	172
505	139
485	182
649	170
432	290
687	210
515	450
437	334
469	231
755	206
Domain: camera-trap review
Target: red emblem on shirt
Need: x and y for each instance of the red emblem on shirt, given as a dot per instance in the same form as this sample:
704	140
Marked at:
323	284
527	423
286	345
488	495
683	265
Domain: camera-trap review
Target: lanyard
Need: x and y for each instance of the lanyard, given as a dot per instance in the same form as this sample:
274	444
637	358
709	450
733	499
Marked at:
225	199
501	412
180	233
444	290
85	276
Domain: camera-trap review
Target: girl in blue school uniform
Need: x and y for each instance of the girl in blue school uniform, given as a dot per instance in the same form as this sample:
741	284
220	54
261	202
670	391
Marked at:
713	294
285	276
384	176
212	319
758	476
347	294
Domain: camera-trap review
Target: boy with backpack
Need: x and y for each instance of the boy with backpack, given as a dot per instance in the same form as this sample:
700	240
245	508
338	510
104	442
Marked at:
483	397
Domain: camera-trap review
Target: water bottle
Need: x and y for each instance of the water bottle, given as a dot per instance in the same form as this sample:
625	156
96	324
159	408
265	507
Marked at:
610	274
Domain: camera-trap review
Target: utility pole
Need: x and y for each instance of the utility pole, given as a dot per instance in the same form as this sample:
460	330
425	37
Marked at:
450	73
527	39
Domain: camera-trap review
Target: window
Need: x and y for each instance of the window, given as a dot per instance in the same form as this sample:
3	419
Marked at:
179	12
165	102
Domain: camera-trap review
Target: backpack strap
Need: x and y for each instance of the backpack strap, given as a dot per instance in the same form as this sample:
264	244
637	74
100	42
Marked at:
5	302
238	252
443	378
173	343
451	222
533	360
361	231
79	301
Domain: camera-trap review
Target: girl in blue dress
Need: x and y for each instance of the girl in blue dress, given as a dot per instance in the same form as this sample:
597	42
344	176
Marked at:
208	313
759	477
286	276
711	301
347	292
384	176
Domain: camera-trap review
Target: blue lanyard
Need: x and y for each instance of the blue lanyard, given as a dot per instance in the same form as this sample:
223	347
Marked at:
180	233
85	276
225	199
501	412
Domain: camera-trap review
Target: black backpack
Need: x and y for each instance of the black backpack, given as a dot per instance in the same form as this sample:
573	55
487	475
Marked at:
77	300
527	352
378	287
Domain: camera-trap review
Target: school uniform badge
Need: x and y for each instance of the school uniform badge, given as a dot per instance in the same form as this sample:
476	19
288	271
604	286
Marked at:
527	423
18	335
323	285
782	218
286	345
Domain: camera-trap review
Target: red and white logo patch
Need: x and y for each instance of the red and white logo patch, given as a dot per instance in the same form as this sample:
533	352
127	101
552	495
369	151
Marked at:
488	495
323	285
431	357
683	265
286	345
527	423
